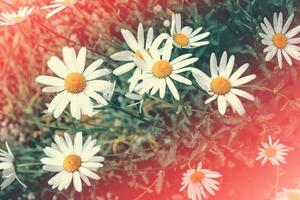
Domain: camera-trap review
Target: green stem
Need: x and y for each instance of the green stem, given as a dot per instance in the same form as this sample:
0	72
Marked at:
28	164
118	108
30	172
67	39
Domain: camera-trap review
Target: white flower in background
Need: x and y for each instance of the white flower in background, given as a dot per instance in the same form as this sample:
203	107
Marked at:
135	45
58	5
288	194
108	94
279	40
8	19
72	161
136	97
273	152
75	84
159	70
199	181
167	23
7	165
110	91
222	83
185	37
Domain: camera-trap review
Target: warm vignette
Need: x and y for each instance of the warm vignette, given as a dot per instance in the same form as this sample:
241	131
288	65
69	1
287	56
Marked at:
159	100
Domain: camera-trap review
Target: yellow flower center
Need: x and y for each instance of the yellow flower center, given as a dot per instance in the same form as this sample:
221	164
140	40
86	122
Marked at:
139	54
162	69
181	39
18	18
220	85
72	163
75	82
280	41
270	152
67	2
197	177
293	196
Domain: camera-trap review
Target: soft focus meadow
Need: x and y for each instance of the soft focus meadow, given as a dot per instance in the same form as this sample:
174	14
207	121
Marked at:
148	138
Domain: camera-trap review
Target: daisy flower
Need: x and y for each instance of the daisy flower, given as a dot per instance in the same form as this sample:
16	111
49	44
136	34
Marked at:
75	84
135	45
198	181
273	152
7	165
58	5
159	70
279	40
288	194
222	83
72	161
185	37
8	19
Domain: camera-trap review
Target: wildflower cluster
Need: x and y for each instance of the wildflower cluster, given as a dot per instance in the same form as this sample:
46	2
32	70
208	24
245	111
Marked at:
155	66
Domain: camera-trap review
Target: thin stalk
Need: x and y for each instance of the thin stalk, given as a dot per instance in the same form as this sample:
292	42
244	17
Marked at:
118	108
28	164
277	179
67	39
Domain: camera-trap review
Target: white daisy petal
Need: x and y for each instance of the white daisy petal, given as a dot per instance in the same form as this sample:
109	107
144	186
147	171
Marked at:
229	67
89	173
237	74
130	40
199	37
58	67
269	26
172	88
140	36
242	94
69	58
57	99
287	24
291	33
51	89
91	68
244	80
77	182
278	27
222	105
149	39
122	56
184	63
181	79
50	80
235	103
214	97
62	105
80	62
78	143
98	73
124	68
223	64
166	54
279	57
287	57
55	11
